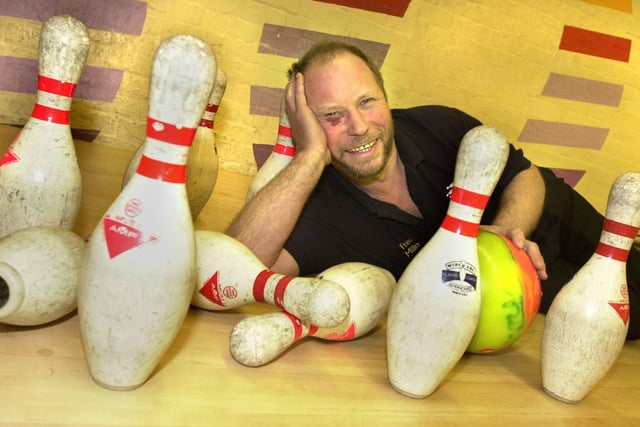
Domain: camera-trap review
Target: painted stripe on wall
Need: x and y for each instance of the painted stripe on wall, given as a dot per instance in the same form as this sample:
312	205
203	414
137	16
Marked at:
563	134
621	5
596	44
584	90
122	16
389	7
86	135
265	101
261	152
293	42
96	83
570	176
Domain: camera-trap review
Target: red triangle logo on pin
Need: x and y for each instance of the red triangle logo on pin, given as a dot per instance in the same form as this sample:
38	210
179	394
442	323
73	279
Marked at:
121	237
9	157
622	308
211	290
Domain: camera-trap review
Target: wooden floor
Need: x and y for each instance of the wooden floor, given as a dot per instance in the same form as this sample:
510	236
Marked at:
44	380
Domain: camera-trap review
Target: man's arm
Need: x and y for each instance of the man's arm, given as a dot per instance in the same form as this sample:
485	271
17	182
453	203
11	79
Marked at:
266	221
520	209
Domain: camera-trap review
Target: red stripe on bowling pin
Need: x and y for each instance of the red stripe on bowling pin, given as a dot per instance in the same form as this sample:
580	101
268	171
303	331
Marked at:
620	229
298	329
162	171
466	198
205	123
260	283
281	288
57	87
284	150
170	133
50	114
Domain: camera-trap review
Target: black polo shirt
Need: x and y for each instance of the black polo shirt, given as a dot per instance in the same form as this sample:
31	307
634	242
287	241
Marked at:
342	223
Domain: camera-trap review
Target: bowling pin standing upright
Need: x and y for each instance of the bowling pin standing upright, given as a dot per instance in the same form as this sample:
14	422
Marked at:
39	269
230	275
138	274
586	325
280	157
259	339
435	307
40	182
202	163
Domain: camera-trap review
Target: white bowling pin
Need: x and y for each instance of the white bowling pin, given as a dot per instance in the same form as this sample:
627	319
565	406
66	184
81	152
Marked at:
39	269
435	307
586	325
138	274
40	181
259	339
202	163
280	157
230	275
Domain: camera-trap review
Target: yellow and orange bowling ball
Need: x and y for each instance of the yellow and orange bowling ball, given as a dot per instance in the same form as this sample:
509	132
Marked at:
511	294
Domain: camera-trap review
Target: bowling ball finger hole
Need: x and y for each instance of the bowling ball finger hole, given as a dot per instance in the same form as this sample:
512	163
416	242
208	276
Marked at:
4	292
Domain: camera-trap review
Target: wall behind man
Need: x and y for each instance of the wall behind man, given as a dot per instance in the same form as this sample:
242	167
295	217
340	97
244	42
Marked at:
560	78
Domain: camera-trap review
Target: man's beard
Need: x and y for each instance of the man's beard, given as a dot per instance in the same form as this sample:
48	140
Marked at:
364	172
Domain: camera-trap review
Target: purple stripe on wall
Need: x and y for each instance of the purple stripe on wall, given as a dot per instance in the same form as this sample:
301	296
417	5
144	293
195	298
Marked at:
293	42
570	176
265	101
121	16
584	90
86	135
261	152
563	134
96	83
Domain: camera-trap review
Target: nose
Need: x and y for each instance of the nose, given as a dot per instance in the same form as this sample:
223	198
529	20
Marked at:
358	124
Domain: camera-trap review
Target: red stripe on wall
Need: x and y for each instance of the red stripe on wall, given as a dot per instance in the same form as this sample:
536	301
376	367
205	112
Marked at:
584	90
96	83
563	134
596	44
389	7
121	16
293	42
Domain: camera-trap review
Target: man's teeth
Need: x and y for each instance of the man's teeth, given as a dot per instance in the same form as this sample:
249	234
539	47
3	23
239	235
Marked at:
362	148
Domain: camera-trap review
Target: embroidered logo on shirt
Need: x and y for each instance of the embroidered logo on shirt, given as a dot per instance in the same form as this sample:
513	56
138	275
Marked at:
409	247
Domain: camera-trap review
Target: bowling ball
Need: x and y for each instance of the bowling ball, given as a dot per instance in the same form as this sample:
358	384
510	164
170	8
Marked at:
511	294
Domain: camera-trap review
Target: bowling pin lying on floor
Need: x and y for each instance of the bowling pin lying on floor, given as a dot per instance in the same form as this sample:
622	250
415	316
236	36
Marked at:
202	163
39	269
139	271
280	157
259	339
435	307
40	181
586	325
230	275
